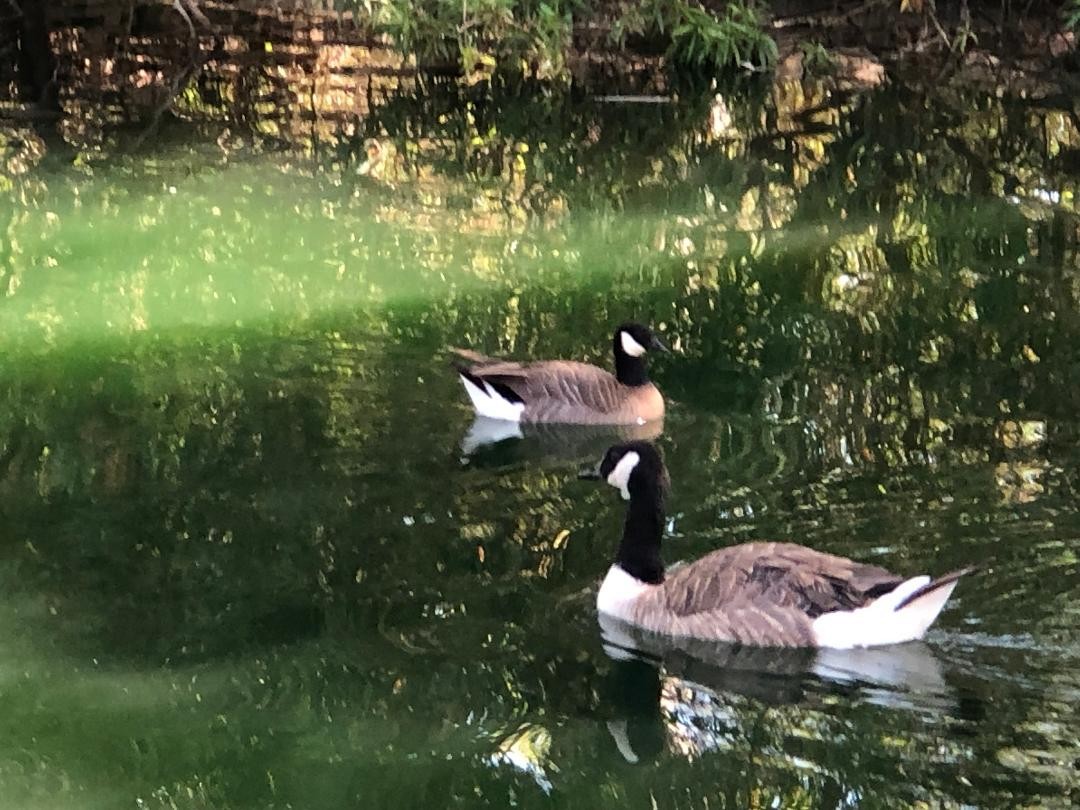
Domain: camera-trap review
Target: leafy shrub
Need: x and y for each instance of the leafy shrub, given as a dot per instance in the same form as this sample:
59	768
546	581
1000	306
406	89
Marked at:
816	59
480	34
697	37
535	35
1071	14
735	39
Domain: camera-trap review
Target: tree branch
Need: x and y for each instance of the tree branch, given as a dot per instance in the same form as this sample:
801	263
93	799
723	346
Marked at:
182	78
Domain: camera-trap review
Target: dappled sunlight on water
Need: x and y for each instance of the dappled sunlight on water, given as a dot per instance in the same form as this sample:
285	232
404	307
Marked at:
256	553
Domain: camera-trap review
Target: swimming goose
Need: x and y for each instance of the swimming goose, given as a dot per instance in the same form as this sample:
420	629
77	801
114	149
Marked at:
566	391
762	593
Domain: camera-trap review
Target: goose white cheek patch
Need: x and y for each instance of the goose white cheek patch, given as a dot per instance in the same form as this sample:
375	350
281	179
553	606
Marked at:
631	346
620	476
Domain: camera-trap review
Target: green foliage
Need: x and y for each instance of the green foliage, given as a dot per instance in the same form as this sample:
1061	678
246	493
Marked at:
735	39
817	60
534	36
1071	15
696	37
481	35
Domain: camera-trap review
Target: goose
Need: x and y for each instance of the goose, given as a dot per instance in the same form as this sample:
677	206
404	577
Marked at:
566	391
768	594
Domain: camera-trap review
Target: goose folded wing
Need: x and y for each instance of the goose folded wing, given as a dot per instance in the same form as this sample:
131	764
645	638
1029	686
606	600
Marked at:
577	385
780	575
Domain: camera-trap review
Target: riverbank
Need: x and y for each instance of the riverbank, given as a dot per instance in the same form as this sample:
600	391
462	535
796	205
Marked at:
288	77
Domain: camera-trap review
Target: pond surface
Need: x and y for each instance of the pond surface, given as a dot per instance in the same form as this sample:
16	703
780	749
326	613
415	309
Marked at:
250	558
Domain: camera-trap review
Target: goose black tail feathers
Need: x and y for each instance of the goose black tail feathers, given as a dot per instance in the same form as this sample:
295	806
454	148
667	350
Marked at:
502	389
930	587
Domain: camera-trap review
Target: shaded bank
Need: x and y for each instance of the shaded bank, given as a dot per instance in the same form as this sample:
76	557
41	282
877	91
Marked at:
310	73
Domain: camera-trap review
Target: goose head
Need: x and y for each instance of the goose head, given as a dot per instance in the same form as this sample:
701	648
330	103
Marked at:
632	342
636	469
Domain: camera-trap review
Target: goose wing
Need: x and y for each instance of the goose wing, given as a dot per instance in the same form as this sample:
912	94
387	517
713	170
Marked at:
769	577
555	384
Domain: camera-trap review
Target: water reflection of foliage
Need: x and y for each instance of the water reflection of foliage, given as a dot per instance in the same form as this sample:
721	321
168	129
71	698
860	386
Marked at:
896	349
880	281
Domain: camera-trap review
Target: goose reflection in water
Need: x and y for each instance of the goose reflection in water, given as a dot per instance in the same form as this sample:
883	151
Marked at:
691	696
499	441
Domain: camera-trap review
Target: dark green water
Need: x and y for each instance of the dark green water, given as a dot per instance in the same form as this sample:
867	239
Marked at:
245	562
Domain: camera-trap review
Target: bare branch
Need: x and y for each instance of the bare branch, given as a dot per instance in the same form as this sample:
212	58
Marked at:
197	13
182	78
179	6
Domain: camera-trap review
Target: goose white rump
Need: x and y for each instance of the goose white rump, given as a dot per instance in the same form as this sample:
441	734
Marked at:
882	622
490	403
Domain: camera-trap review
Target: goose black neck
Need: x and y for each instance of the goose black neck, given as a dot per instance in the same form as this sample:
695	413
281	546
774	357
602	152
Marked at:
630	370
639	550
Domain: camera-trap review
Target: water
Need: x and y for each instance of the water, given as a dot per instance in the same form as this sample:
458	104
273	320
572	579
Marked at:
246	562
